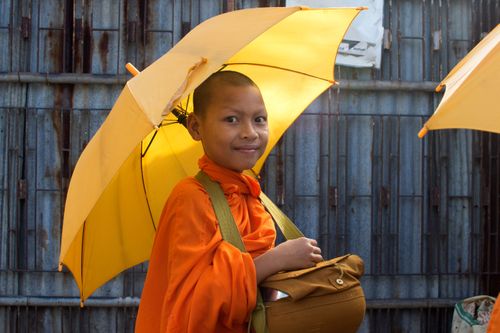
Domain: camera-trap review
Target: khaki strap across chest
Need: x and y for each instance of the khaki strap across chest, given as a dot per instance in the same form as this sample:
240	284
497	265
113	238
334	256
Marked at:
230	233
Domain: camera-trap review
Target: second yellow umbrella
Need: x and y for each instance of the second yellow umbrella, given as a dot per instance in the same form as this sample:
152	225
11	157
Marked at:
472	88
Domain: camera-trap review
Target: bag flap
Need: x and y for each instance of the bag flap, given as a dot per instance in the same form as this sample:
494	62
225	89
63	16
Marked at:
331	276
293	274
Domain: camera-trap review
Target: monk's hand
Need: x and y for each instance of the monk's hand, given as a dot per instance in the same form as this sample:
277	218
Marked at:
298	253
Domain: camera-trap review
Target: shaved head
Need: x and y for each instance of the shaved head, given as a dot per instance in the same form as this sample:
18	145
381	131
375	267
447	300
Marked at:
205	91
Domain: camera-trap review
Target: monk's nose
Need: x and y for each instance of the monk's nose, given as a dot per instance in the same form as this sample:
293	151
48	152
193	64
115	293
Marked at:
248	131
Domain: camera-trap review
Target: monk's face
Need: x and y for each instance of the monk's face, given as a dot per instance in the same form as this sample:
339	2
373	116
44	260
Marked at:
233	128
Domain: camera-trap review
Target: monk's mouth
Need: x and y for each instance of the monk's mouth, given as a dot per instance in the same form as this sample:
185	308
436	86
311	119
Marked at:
248	150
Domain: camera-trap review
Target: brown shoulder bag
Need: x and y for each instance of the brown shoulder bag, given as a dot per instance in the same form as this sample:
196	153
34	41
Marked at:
327	298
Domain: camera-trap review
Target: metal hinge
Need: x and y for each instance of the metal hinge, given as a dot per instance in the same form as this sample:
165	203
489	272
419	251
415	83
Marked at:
25	27
387	40
333	197
21	189
132	31
435	196
78	29
385	196
436	40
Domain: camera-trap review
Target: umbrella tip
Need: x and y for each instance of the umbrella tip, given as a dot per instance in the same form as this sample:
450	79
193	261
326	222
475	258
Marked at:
439	87
60	267
131	69
423	132
362	8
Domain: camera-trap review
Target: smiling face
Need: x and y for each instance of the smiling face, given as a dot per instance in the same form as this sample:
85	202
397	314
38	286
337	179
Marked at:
233	126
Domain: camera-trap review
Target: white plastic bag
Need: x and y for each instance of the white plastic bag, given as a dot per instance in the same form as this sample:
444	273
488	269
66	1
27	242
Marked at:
472	315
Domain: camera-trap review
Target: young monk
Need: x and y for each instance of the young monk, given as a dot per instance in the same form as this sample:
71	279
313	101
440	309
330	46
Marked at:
197	282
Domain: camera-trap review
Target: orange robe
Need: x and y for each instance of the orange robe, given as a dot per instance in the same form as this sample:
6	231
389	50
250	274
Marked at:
494	325
196	282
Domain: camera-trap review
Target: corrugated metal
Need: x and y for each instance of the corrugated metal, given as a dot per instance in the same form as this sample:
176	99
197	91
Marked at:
351	171
411	208
490	190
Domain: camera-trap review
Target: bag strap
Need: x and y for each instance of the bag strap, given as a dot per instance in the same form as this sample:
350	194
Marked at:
287	227
231	234
223	213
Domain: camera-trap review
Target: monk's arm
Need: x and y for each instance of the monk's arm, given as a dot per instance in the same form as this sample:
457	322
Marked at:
266	265
293	254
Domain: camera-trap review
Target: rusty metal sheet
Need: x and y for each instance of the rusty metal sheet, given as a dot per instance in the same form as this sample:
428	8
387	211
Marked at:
46	135
459	17
160	15
49	12
307	215
412	62
158	44
358	150
106	15
4	189
45	283
410	158
160	25
5	45
105	51
409	18
207	9
12	166
307	172
368	185
5	42
49	37
45	248
105	25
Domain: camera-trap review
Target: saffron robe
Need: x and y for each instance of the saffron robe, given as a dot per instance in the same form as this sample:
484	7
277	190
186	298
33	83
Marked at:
196	282
494	325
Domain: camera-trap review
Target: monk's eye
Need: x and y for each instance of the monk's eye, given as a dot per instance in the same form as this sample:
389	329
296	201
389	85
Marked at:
261	119
231	119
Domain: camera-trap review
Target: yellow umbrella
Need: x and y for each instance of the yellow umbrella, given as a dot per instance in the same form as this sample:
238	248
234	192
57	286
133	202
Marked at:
127	170
472	90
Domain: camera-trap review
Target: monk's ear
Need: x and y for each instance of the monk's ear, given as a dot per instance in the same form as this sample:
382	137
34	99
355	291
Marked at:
193	126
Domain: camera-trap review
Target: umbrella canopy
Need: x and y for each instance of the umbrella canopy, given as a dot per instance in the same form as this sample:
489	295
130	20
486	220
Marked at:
124	175
472	87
